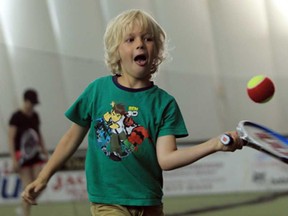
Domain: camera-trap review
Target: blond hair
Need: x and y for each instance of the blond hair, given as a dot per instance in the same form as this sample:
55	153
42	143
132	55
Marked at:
120	25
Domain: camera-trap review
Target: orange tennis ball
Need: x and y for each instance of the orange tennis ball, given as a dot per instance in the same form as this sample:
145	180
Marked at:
260	89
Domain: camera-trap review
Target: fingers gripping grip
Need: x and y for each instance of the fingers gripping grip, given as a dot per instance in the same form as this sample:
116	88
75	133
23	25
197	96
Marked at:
226	139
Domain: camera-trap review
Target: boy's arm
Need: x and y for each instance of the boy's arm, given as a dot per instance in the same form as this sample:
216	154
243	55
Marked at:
169	157
64	150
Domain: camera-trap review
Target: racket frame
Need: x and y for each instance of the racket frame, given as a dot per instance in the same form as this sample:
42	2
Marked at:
253	143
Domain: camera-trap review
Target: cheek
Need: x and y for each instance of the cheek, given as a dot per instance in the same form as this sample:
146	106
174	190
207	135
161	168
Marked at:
153	52
153	55
123	54
120	53
121	50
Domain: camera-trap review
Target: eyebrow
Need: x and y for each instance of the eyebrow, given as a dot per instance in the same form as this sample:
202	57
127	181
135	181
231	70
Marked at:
142	34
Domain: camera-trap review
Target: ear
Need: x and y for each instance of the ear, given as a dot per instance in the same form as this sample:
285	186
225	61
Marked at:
118	62
119	68
154	65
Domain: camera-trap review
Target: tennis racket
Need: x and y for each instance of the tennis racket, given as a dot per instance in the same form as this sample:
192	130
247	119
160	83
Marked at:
260	138
29	146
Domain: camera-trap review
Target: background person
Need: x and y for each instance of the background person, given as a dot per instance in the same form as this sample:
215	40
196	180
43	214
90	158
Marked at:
26	143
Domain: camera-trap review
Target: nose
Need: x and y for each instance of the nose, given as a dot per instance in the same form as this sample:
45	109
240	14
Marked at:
140	44
140	47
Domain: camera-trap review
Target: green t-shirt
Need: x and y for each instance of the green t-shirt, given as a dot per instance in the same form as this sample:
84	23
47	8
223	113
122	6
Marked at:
121	163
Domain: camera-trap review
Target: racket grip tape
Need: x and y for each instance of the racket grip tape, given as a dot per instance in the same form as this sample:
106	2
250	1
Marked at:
226	139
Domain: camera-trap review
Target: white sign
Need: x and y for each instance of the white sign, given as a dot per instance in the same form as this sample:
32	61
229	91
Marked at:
246	170
63	186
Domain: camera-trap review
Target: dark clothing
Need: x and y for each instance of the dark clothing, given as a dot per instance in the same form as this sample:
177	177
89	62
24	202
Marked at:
27	139
23	123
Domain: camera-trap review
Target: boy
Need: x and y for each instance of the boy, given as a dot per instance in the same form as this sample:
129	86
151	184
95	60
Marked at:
133	126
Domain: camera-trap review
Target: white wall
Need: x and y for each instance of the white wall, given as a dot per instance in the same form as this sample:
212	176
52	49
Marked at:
215	47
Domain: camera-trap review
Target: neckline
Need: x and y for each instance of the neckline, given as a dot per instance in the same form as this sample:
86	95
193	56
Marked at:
27	115
115	81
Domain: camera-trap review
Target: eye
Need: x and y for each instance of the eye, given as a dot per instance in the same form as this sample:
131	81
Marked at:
148	38
129	40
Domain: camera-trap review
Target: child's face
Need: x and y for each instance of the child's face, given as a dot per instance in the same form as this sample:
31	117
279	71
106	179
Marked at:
137	52
29	105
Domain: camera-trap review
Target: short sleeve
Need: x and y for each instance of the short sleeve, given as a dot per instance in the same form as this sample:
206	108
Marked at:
14	121
80	111
173	122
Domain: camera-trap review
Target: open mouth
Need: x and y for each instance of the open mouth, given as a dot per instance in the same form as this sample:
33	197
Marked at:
141	59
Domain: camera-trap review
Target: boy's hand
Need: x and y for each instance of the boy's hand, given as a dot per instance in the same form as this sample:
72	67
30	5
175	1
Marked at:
234	144
33	190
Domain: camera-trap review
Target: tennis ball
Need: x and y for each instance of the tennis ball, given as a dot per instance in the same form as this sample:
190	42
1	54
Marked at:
260	89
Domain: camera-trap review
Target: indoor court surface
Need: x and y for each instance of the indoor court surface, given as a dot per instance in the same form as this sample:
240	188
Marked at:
250	204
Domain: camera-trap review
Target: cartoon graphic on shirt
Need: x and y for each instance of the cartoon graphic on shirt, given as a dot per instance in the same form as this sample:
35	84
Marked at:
118	135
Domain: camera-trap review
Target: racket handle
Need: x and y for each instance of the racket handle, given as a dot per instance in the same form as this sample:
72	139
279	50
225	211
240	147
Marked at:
226	139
